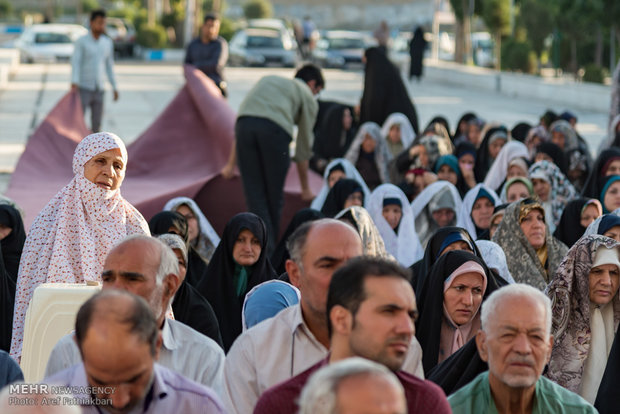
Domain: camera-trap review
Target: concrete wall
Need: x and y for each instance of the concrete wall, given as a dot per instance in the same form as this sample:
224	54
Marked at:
588	96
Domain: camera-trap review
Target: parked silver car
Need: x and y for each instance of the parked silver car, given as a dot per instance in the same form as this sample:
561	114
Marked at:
262	47
48	42
339	48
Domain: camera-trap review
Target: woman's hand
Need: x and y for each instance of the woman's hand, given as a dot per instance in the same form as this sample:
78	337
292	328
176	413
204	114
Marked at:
228	171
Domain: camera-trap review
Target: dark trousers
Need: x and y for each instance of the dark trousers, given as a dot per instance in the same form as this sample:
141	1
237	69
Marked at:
94	101
264	159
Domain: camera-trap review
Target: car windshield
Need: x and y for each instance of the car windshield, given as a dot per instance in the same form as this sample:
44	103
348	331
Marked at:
43	38
264	42
344	43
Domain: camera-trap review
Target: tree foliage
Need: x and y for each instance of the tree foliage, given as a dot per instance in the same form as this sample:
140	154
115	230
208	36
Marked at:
257	9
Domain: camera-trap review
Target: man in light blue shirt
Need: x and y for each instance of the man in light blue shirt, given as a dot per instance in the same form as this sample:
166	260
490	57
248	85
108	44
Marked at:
93	53
119	341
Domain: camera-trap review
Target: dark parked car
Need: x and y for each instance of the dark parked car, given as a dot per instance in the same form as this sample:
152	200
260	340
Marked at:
339	48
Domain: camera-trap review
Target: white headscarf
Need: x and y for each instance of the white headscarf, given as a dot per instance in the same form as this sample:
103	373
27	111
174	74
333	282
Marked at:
350	171
73	234
465	219
494	257
499	169
206	230
407	135
405	245
424	198
382	152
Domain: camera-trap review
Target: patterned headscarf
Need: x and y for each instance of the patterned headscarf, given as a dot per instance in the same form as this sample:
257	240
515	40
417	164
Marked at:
372	243
570	303
521	257
71	237
562	191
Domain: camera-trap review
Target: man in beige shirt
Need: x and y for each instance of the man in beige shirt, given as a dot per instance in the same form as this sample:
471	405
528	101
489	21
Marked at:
297	337
263	132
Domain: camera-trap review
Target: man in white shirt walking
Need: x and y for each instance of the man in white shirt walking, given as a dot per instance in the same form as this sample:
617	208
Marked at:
93	53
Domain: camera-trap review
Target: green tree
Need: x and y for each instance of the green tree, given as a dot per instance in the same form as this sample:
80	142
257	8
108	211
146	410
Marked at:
537	18
6	9
257	9
496	16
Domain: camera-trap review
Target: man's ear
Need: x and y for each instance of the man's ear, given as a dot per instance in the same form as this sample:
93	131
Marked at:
171	285
551	340
481	343
341	320
294	272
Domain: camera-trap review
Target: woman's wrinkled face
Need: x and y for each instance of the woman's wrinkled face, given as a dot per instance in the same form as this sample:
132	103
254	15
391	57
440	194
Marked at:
334	176
495	147
588	215
392	214
394	134
347	119
466	162
542	188
246	249
354	199
604	281
481	213
613	233
533	226
515	171
517	191
613	168
443	216
193	230
447	174
106	170
369	144
611	201
463	298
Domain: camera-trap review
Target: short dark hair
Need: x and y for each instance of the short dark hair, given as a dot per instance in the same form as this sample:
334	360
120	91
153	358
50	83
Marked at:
347	285
96	14
310	72
297	241
140	317
211	16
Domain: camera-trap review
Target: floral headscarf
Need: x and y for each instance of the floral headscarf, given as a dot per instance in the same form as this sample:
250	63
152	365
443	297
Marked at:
372	243
562	191
521	257
569	291
71	237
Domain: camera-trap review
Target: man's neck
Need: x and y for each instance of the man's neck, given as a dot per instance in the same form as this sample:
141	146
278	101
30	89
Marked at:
511	400
316	323
95	35
339	349
204	39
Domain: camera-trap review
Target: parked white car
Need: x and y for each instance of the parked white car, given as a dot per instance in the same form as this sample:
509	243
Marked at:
49	42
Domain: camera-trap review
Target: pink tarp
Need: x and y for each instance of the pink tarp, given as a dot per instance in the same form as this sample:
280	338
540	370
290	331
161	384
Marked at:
180	154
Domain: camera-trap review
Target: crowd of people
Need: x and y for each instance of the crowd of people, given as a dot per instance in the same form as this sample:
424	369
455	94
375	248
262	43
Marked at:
465	270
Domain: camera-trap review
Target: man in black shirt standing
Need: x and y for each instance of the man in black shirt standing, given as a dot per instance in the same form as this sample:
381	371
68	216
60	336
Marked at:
209	51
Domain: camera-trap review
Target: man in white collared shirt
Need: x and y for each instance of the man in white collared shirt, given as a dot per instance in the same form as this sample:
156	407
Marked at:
92	55
148	268
297	337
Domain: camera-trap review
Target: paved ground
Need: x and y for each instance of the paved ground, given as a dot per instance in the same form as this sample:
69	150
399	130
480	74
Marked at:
147	88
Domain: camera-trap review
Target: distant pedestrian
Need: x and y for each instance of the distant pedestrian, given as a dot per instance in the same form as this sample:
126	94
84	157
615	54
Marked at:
209	51
93	53
309	29
264	130
417	46
382	35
